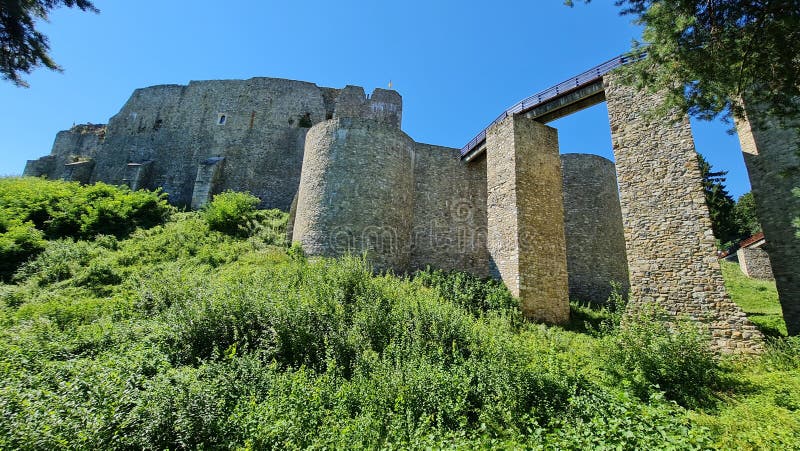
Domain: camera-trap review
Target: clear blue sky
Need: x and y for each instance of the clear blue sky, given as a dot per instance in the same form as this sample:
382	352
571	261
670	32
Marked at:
457	64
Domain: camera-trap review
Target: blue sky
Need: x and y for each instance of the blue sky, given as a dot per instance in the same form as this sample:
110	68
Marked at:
457	64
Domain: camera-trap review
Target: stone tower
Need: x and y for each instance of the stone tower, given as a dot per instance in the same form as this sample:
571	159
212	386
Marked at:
356	191
593	228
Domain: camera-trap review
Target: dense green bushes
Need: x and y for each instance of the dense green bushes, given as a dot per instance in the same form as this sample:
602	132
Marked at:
18	242
231	212
32	209
654	353
266	351
470	292
182	336
67	209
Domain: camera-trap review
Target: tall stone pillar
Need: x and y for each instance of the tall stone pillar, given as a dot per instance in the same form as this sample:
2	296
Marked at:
770	154
526	216
670	247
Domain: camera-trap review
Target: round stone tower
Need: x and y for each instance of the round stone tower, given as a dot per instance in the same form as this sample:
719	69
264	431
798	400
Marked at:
356	192
593	227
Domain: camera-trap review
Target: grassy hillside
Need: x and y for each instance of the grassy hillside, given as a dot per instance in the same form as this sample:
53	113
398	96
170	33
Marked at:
205	330
758	298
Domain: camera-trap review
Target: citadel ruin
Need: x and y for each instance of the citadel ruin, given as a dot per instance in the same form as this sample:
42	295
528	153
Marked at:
507	205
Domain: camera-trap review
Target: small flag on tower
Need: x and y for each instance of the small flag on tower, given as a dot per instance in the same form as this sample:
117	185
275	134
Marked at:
390	84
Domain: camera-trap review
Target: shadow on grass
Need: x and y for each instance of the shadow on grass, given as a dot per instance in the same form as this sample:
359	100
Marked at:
769	325
586	317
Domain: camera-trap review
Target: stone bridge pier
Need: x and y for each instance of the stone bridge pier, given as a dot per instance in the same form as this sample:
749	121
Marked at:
771	155
669	243
525	214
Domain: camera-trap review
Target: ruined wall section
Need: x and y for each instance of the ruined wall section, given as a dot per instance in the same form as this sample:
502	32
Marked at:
258	126
593	228
449	230
754	262
163	135
770	154
80	143
669	244
383	105
357	192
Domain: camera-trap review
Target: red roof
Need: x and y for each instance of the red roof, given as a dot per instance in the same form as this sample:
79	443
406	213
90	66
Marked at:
753	239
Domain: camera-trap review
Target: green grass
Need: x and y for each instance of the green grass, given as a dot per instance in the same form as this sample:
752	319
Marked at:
758	298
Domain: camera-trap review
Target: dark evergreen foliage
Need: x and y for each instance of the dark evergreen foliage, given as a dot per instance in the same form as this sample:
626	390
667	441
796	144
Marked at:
721	206
745	211
23	47
710	54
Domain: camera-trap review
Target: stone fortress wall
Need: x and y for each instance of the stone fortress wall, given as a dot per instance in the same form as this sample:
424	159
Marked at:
357	192
246	135
770	154
551	227
358	182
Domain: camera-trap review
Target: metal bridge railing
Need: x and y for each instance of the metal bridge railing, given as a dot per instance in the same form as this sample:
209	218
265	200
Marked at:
529	103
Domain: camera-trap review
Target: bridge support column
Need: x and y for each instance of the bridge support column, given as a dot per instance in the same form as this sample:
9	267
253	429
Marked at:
668	238
526	216
770	154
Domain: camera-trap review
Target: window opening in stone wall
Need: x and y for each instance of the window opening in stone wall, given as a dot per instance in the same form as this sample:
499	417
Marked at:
222	118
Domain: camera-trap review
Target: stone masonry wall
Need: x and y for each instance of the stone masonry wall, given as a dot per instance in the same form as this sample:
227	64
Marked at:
770	154
357	192
81	142
257	125
383	106
669	244
449	230
593	228
754	262
526	216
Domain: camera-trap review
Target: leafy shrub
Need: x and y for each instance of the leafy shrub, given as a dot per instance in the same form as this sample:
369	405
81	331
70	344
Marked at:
231	213
653	352
60	260
66	209
186	238
601	420
296	252
269	226
783	353
602	319
18	242
468	291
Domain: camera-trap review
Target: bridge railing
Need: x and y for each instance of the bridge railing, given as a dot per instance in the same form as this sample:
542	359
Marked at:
567	86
